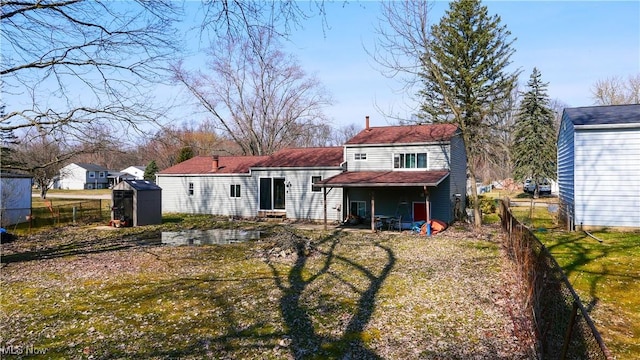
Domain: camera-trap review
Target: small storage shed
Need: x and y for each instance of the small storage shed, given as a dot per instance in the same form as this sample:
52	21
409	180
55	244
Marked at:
136	203
15	198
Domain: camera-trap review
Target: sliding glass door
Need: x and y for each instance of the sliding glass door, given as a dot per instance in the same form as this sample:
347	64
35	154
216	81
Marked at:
272	193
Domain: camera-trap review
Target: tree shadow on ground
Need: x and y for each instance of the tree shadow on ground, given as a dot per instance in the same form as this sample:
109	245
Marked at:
80	247
305	341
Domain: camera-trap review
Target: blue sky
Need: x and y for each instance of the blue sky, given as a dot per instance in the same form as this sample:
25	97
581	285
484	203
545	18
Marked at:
573	44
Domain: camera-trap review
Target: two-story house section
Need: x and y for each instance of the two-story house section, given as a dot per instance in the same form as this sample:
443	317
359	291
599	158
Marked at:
411	172
80	176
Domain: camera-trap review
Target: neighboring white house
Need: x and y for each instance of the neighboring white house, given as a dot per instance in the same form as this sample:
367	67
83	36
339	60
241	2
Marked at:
15	198
80	176
135	172
599	166
130	173
405	169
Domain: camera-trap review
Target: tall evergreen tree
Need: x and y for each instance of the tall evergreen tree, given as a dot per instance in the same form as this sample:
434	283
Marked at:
465	75
150	171
534	146
185	153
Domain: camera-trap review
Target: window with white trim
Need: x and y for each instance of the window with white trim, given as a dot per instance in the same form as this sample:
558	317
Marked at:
315	179
410	161
190	189
92	174
235	191
360	156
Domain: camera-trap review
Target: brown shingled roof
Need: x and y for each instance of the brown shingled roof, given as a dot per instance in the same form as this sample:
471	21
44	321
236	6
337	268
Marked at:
404	134
204	165
385	178
304	157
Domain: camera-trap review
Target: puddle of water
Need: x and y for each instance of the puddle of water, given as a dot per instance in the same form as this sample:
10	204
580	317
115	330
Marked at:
208	237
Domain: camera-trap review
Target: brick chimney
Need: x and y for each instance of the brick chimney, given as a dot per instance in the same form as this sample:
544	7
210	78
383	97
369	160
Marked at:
214	165
366	122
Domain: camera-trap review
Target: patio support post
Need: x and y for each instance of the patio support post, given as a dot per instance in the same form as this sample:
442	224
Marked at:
373	212
324	197
426	204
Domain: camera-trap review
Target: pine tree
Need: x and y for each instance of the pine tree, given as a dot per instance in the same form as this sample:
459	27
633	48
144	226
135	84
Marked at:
186	153
150	171
465	75
534	145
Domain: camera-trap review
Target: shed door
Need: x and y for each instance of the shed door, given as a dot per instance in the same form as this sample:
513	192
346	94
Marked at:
123	204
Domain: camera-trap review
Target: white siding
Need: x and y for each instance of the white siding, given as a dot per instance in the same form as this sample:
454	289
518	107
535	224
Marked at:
380	158
15	200
566	157
607	177
72	177
300	202
211	195
135	172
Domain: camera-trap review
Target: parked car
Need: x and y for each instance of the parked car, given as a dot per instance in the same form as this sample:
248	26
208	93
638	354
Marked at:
544	187
529	186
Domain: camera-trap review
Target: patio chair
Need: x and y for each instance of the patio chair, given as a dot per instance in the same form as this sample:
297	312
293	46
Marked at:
395	222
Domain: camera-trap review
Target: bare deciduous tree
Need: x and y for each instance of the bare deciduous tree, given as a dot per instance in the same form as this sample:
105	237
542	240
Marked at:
257	95
70	63
342	134
242	20
42	157
616	91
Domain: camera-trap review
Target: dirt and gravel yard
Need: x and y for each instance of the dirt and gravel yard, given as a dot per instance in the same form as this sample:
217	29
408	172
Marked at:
88	293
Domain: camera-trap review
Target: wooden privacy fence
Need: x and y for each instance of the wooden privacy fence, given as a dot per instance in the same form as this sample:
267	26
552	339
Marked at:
563	327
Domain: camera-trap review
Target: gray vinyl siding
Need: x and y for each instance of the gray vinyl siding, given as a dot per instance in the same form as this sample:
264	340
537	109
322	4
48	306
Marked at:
15	192
441	156
300	202
398	201
566	162
211	195
607	177
380	158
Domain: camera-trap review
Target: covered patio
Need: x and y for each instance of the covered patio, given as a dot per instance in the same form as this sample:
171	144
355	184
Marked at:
395	199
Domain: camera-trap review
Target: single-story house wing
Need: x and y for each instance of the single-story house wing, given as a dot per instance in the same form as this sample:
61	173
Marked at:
280	185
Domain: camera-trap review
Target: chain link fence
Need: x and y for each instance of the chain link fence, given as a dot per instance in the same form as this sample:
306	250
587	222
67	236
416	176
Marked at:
563	327
81	212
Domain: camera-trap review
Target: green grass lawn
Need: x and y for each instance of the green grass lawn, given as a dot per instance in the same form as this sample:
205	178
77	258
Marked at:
75	192
96	293
605	274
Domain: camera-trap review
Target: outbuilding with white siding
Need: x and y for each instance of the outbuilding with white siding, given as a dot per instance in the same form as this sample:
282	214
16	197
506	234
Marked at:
599	166
15	198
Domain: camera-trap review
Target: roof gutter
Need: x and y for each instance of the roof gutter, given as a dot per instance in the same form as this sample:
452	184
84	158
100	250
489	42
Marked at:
607	126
